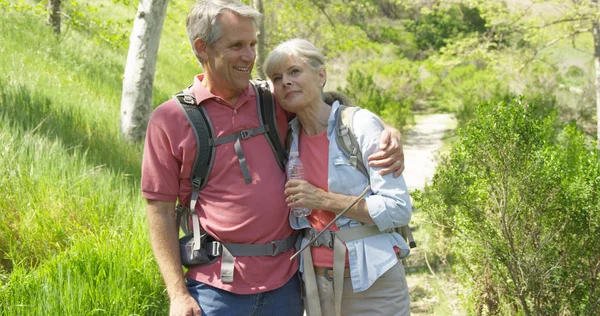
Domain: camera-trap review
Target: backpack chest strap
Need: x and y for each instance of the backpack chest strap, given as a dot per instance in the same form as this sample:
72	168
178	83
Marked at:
345	235
245	134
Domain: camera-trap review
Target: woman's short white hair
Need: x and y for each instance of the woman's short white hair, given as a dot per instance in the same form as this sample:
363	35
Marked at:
298	48
203	23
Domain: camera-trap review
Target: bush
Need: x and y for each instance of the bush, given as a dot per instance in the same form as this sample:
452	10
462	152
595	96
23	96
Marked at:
460	88
364	92
520	200
434	29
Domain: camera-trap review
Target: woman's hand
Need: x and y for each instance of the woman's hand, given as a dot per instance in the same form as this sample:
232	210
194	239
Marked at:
300	193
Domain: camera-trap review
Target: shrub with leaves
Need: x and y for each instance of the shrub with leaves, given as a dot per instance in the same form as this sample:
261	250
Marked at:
519	200
389	105
436	27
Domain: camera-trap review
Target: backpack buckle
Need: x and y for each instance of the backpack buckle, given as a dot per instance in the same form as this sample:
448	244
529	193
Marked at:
188	99
276	249
247	133
326	239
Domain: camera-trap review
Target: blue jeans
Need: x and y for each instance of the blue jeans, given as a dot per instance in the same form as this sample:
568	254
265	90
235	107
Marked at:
286	300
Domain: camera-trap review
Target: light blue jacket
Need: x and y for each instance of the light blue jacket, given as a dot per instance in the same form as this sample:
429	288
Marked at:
389	203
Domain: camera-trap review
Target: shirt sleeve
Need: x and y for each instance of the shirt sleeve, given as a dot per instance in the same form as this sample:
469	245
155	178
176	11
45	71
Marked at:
389	205
160	165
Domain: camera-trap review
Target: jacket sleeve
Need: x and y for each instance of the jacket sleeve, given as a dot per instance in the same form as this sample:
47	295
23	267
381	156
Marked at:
389	205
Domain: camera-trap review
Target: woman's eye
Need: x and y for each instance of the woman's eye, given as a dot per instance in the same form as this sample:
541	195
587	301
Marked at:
295	72
276	79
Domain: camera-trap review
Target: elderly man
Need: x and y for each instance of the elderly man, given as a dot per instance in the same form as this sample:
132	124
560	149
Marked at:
235	206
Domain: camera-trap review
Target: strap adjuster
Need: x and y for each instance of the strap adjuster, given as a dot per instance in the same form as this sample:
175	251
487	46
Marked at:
326	274
276	249
188	99
247	133
216	249
196	182
326	238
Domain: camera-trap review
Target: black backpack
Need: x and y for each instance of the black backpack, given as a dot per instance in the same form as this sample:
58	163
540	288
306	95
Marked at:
206	142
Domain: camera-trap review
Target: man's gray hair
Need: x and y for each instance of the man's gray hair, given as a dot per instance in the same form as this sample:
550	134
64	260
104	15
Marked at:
298	48
203	23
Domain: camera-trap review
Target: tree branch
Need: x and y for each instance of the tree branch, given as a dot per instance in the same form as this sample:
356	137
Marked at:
550	43
321	7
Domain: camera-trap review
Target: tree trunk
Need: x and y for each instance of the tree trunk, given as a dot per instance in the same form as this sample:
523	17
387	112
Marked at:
596	32
136	100
260	54
54	16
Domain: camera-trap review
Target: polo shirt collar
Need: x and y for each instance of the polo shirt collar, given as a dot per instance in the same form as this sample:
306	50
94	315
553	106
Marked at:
201	93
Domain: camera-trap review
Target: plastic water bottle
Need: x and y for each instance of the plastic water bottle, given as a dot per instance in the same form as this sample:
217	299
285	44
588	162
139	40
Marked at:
295	171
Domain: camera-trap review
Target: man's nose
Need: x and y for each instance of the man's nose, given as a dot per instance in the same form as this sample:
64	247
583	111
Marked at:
249	54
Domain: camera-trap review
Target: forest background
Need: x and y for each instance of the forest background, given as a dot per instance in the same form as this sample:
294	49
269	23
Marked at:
509	223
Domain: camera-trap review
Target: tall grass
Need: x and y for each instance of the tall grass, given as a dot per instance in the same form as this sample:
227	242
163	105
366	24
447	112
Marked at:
73	236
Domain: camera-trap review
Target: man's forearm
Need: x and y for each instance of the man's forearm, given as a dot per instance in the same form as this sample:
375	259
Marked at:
165	245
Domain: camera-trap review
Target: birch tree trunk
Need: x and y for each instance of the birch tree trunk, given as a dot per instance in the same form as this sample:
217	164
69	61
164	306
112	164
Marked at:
54	15
260	53
136	100
596	32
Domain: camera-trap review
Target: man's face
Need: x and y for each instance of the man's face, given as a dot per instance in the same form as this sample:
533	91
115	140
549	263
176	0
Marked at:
228	63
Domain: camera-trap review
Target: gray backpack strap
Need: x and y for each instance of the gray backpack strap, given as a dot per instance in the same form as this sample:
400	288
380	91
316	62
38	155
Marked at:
229	251
346	140
273	248
266	109
236	137
203	162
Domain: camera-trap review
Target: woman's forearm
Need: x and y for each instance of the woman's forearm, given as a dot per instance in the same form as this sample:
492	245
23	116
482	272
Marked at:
336	203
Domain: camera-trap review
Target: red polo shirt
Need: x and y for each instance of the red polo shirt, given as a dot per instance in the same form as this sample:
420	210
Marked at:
229	209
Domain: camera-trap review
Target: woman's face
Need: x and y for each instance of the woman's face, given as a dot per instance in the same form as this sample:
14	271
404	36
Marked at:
297	85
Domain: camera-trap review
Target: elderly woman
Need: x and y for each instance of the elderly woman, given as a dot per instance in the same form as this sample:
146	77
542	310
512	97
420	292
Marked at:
366	277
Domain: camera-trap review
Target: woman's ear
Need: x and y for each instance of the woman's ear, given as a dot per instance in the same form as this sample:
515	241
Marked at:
322	77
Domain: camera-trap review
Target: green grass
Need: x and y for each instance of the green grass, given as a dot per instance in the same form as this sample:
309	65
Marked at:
73	235
432	286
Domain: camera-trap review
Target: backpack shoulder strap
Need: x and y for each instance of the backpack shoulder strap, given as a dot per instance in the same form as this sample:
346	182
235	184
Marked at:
349	145
203	132
266	110
346	140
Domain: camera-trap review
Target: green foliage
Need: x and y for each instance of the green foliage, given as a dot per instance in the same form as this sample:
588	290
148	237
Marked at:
109	273
364	92
70	188
461	88
433	29
520	203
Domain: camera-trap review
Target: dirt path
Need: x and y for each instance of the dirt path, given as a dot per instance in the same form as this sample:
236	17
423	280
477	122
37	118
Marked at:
421	145
430	293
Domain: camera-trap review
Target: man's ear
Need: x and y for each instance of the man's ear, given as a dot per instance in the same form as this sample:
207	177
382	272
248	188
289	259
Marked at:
200	49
